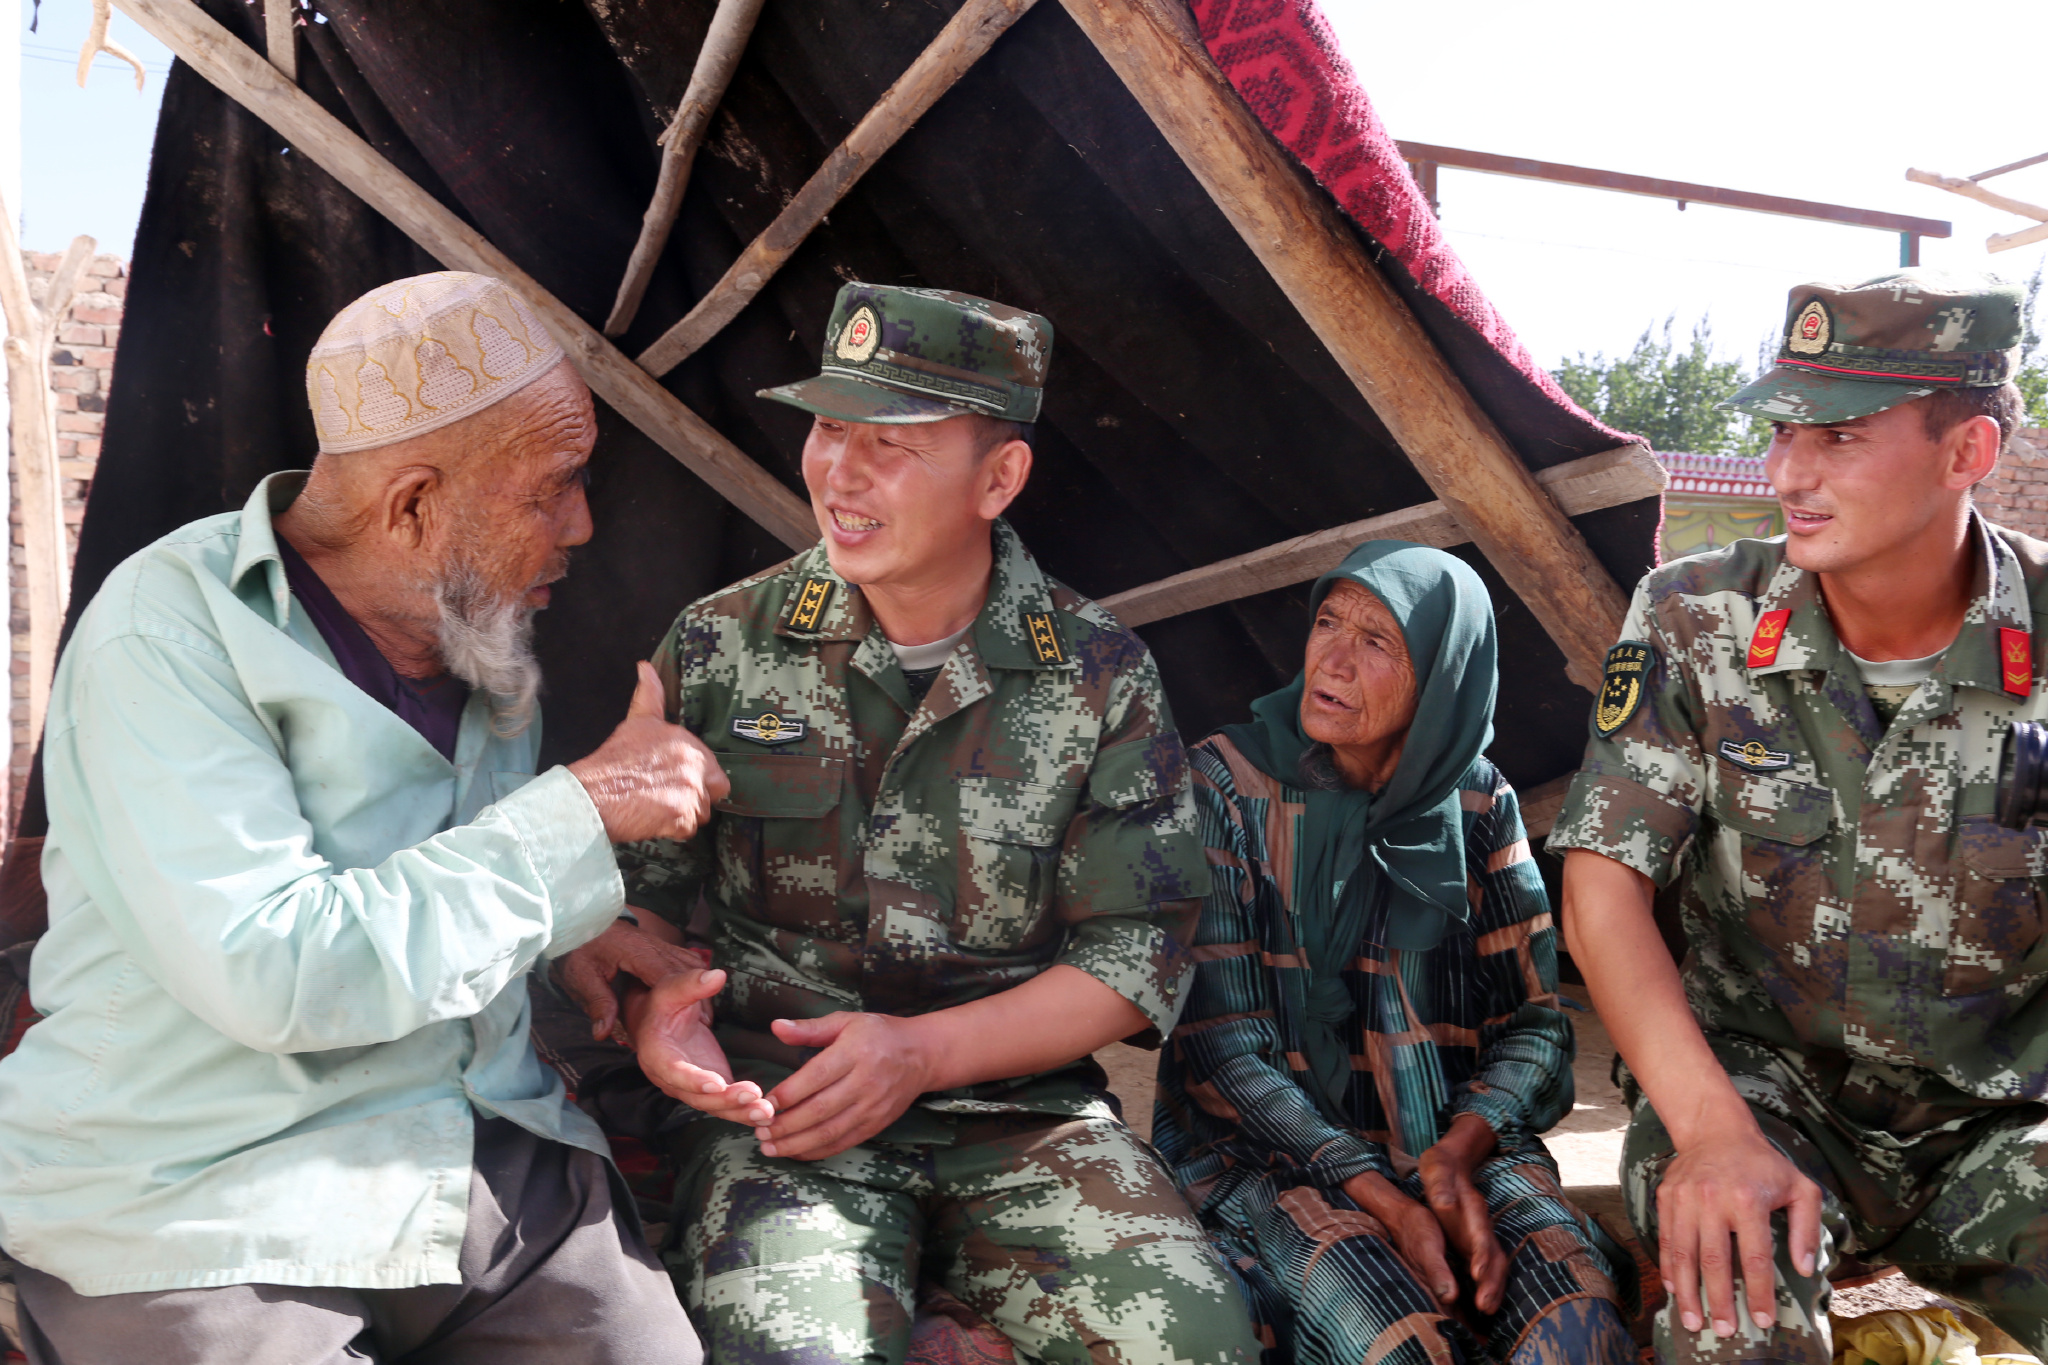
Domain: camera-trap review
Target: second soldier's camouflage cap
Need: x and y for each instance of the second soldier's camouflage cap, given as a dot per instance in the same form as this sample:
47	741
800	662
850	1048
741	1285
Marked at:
1852	350
895	356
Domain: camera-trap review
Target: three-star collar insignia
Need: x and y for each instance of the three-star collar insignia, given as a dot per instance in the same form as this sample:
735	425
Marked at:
1045	637
770	728
1754	756
807	608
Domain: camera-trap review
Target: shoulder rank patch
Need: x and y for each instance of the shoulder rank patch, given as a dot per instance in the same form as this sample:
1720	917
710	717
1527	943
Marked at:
1045	637
1753	757
1621	685
2016	661
770	727
811	601
1770	633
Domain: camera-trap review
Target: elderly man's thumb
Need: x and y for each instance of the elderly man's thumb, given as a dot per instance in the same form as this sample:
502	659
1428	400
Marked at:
648	697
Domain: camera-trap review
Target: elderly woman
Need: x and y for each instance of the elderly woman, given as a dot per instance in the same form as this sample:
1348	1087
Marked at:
1373	1038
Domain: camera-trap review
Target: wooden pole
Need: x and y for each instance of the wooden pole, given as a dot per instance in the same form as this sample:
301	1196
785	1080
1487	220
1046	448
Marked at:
1311	253
281	37
1608	479
97	41
1970	189
31	331
245	77
966	36
731	26
2006	241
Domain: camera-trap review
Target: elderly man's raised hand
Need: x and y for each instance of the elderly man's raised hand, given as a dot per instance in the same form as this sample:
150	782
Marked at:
651	779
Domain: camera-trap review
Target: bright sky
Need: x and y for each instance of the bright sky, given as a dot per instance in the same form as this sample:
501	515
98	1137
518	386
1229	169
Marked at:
1813	102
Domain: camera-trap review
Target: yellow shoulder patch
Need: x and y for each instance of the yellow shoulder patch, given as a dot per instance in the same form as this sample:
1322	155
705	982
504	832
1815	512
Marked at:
1622	684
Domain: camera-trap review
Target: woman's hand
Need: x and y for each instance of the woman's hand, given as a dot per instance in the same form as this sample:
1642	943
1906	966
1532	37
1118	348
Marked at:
1461	1210
1416	1233
670	1028
591	974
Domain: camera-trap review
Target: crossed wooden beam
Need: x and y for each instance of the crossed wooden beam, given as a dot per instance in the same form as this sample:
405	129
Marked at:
1485	494
1969	188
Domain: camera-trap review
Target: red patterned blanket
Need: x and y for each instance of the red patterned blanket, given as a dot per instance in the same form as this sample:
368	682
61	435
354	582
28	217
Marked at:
1283	60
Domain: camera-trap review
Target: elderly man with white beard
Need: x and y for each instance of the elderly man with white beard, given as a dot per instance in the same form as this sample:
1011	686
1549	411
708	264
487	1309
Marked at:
282	1108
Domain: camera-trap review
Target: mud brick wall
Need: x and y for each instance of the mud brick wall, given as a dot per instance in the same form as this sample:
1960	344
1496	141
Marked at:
2016	494
81	369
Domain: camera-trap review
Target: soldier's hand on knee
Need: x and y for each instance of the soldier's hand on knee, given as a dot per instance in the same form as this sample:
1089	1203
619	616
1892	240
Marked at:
1446	1170
871	1068
1714	1207
1413	1229
651	779
591	974
670	1026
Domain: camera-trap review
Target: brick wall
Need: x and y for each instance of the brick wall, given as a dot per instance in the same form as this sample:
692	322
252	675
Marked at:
81	368
2016	494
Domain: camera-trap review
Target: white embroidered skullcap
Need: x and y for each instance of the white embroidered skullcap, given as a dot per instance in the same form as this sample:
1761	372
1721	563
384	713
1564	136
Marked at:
417	354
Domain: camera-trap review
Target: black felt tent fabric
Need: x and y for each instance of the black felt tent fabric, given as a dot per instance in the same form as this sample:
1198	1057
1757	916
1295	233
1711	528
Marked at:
1191	414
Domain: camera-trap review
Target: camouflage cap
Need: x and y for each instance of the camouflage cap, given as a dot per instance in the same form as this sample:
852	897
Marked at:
1851	350
896	356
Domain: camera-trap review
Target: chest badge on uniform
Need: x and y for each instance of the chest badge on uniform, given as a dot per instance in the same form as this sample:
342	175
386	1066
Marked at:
1045	637
770	727
1754	756
2016	662
1770	633
1621	685
811	601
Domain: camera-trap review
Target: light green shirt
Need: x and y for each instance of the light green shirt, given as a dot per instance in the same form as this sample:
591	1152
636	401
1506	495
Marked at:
287	950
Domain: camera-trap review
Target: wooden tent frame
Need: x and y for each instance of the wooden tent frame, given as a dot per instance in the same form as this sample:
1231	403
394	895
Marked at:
1485	494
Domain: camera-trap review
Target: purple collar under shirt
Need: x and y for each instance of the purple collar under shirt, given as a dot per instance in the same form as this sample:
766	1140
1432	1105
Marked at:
432	706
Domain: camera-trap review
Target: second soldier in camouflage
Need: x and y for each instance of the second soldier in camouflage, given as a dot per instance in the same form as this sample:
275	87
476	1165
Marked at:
1803	734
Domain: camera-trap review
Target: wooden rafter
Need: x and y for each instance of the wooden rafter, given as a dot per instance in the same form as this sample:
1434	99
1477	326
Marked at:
1608	479
1970	189
31	330
281	37
966	36
1316	260
245	77
731	26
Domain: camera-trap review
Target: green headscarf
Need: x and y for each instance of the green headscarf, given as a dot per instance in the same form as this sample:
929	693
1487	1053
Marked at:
1405	842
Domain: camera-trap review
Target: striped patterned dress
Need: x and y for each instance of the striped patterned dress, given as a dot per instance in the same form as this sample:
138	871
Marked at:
1474	1025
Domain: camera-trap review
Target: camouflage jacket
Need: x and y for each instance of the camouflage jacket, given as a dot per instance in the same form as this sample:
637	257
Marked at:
876	855
1848	898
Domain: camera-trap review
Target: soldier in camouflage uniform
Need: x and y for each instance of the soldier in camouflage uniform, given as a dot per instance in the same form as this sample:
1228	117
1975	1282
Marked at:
957	858
1804	734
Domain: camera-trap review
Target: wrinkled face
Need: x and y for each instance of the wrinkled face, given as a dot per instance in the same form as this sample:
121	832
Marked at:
1359	691
897	505
517	504
1854	491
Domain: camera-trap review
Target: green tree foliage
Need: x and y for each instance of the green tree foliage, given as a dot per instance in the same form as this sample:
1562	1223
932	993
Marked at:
1668	394
2033	374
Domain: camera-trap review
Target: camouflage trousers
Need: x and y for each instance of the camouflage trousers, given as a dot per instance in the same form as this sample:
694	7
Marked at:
1067	1234
1327	1287
1961	1208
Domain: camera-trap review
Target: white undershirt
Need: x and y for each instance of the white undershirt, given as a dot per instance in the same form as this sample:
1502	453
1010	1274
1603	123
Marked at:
918	658
1896	672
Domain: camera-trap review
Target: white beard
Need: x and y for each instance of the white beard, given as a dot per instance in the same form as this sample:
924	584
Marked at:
487	641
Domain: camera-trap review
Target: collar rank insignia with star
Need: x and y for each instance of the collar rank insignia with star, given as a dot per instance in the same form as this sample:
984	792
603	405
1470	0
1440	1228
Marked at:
811	601
1045	637
1752	756
770	728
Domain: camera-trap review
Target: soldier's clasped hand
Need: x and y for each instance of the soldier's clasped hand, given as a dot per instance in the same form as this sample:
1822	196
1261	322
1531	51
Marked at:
651	779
